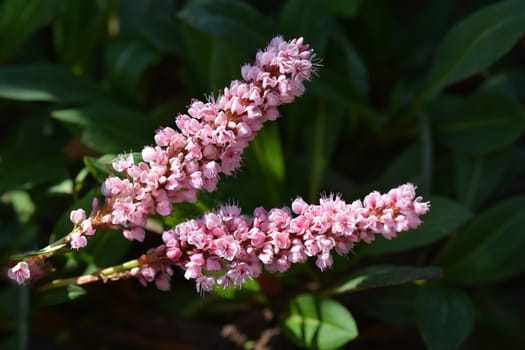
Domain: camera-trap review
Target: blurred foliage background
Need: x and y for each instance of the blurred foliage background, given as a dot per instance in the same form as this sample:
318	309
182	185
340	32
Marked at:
429	92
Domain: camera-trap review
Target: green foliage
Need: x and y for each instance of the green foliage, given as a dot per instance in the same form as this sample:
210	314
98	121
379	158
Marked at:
426	92
445	316
318	323
383	276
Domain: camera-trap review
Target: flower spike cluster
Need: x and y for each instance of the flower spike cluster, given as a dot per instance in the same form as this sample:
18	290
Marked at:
210	142
226	248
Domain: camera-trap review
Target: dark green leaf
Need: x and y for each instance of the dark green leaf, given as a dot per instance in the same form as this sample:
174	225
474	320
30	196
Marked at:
265	161
476	42
383	276
480	253
60	295
445	217
318	323
20	19
225	65
500	311
344	8
107	248
109	128
31	155
477	177
235	21
406	166
100	168
394	305
321	138
445	317
127	60
78	29
482	123
45	82
153	24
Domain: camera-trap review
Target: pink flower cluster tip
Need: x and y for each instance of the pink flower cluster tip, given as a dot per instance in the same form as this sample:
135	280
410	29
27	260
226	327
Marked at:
209	141
225	248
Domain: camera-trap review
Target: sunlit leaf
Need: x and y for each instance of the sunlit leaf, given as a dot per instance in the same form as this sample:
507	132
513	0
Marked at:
383	276
319	323
45	82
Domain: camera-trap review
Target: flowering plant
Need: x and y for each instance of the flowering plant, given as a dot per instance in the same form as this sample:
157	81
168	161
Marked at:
236	208
210	142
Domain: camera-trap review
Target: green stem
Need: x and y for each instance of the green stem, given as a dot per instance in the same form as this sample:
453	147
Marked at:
102	274
58	247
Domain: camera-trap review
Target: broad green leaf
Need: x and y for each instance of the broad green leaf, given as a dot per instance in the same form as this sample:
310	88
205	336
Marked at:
320	138
500	309
46	82
22	204
60	295
480	253
153	24
127	60
21	18
225	65
383	276
478	176
475	43
109	128
99	168
185	211
394	305
107	248
265	161
31	154
406	166
232	292
195	74
344	8
236	21
445	217
445	317
78	29
482	123
318	323
308	19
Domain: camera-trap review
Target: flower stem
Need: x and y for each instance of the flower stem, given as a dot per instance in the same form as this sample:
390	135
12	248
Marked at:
108	273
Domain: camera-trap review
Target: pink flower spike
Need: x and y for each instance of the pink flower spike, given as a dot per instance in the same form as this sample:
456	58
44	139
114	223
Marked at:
77	216
234	248
136	233
20	272
78	240
211	138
